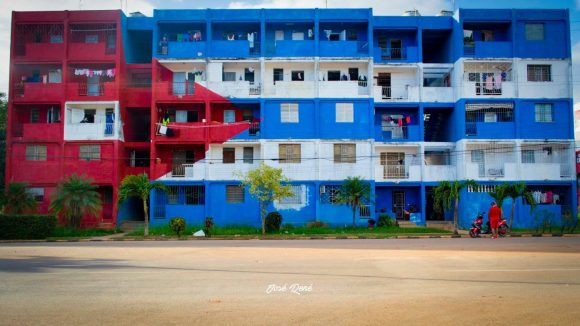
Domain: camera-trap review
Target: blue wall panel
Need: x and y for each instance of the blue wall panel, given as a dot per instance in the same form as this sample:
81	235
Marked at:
273	128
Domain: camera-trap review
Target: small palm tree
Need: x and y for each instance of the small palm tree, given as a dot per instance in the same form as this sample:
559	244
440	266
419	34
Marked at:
501	193
354	192
75	198
519	190
446	193
16	200
139	186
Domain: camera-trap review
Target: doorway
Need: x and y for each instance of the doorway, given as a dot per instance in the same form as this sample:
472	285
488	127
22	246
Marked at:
384	81
396	49
399	204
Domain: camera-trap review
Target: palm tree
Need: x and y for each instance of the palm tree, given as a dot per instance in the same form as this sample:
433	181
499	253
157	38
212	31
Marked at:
139	186
519	190
355	193
500	193
74	198
16	200
447	192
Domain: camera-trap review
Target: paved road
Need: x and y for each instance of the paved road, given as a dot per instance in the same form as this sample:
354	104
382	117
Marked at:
307	282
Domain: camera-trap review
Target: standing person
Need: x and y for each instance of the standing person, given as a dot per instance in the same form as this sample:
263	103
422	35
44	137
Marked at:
494	217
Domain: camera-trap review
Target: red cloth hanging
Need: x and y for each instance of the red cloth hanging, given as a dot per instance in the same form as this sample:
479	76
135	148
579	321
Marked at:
400	122
408	119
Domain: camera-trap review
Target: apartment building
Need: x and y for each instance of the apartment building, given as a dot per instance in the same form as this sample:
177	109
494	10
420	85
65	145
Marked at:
196	97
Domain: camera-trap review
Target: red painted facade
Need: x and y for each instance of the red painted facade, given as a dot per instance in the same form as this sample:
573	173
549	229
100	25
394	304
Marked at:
47	51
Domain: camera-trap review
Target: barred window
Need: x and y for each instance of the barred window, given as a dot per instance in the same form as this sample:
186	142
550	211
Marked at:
289	113
539	73
289	153
234	194
344	112
194	195
249	155
36	152
344	153
534	32
296	197
330	194
36	193
544	112
528	156
90	152
172	195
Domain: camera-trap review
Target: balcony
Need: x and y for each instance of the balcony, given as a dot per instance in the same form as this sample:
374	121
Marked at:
403	133
170	91
251	133
437	94
42	92
89	42
137	94
344	48
344	89
235	49
39	42
182	50
290	48
291	89
41	52
482	89
439	173
405	172
83	91
91	131
237	89
492	49
396	93
405	54
39	131
183	131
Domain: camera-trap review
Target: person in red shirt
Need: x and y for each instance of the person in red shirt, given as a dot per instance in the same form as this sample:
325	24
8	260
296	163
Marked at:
494	217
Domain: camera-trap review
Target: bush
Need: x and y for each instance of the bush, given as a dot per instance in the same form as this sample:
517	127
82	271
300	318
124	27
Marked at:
207	226
273	222
287	227
385	220
14	227
177	225
315	225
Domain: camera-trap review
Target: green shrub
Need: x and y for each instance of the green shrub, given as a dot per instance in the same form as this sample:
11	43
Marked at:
273	222
385	220
14	227
207	226
315	225
177	225
287	227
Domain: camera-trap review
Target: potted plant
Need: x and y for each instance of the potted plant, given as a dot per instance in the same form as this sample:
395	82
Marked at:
371	223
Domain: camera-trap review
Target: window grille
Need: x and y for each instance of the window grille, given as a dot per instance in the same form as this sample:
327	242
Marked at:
296	198
487	113
37	193
528	156
36	152
139	78
95	33
544	112
330	194
364	211
481	188
172	195
289	153
551	153
36	33
234	194
90	152
534	32
344	112
539	73
394	165
344	153
194	195
491	158
249	155
289	113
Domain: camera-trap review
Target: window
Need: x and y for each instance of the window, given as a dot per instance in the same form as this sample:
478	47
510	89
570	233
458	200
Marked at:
534	32
249	155
344	112
36	193
330	194
186	116
544	112
34	116
234	194
490	117
194	195
36	152
437	158
351	35
89	116
296	198
229	155
229	76
298	75
53	115
278	75
344	153
172	195
90	152
334	75
539	73
528	156
289	153
229	116
289	113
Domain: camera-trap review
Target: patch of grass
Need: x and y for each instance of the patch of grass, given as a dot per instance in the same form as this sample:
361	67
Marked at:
363	230
546	231
65	232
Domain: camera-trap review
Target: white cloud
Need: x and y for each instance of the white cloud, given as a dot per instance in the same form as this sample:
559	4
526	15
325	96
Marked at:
7	6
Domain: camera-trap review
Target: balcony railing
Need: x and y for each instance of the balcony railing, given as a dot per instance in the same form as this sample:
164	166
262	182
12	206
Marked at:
395	172
86	89
38	91
182	88
486	89
393	54
236	89
395	132
178	170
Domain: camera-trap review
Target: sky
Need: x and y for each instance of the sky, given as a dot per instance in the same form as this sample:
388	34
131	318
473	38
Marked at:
380	7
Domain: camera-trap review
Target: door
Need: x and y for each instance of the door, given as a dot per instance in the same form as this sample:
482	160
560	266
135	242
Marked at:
353	73
399	204
249	75
396	49
478	156
384	80
93	88
177	169
179	83
109	122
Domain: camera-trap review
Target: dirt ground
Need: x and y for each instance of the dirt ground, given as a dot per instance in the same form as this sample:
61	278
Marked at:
515	281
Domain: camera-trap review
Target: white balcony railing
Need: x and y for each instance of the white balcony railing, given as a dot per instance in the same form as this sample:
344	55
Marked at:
398	172
437	94
236	89
396	93
346	89
290	89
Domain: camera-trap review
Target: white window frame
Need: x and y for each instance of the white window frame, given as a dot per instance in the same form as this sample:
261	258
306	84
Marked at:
534	31
36	152
289	113
344	112
544	112
296	198
540	73
90	152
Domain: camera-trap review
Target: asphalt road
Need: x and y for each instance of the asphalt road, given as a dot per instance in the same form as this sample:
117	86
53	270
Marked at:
515	281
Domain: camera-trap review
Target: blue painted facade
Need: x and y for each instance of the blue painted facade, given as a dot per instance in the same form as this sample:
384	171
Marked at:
355	35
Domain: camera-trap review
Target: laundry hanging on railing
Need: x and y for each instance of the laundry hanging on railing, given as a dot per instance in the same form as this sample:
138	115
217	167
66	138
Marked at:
95	72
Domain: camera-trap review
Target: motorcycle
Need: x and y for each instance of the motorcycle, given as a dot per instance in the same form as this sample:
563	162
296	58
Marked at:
477	227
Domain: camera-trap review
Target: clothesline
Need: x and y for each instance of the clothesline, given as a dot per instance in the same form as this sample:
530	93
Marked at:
207	126
95	72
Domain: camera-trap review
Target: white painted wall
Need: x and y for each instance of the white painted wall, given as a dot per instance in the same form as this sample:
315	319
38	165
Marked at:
559	87
74	113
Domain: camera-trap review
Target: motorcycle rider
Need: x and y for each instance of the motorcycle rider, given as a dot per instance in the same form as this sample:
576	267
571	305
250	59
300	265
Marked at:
494	217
